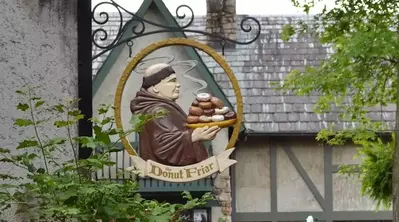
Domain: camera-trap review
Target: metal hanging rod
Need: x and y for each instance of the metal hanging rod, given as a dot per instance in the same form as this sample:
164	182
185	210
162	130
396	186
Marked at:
141	32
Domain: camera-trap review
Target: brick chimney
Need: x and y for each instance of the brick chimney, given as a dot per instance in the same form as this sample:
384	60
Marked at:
221	20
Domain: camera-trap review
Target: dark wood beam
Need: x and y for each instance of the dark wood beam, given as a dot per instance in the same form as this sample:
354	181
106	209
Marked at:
84	72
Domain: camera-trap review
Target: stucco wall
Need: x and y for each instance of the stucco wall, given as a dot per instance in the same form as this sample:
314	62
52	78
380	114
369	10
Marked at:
252	175
38	46
252	172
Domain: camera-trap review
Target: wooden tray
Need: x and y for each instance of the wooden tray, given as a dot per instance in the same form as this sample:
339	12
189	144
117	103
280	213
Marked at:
221	124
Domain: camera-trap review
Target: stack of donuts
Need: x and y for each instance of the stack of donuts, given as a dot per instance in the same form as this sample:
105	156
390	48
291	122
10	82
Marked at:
206	109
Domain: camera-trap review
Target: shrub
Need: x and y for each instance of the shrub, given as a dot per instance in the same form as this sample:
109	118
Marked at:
51	190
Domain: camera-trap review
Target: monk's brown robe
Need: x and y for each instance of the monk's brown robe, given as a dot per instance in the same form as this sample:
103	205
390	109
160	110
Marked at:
166	140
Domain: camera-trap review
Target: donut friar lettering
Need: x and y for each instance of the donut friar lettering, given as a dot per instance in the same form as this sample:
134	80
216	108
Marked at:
195	171
158	171
185	173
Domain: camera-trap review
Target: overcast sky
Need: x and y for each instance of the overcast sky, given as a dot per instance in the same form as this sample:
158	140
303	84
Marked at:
249	7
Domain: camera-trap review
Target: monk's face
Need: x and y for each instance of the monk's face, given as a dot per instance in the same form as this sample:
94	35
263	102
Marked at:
168	88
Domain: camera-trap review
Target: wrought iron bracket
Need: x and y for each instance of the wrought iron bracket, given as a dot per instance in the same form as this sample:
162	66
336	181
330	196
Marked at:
141	32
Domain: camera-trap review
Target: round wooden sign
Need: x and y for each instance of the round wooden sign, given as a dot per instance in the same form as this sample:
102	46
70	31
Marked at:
173	42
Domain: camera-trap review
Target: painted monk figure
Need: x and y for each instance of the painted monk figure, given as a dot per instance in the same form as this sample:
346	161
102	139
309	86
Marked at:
167	140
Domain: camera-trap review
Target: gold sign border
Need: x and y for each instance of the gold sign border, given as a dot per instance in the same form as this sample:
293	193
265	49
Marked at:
172	42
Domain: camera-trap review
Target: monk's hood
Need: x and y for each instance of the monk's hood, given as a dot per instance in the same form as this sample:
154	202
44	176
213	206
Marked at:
145	100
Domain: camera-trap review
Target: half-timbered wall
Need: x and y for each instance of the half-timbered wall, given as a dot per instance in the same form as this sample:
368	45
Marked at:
290	178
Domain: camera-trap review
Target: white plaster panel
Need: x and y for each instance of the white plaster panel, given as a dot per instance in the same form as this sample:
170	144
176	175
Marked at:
38	46
293	195
344	155
252	173
347	195
311	156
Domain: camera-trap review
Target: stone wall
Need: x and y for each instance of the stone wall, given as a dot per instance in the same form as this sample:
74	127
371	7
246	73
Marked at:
221	18
38	46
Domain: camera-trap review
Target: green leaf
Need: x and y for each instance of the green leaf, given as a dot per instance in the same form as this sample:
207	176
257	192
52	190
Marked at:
8	177
55	141
41	170
103	109
71	211
59	108
22	106
190	204
101	136
73	101
187	195
8	186
35	98
21	92
4	150
172	208
23	122
94	162
287	32
61	123
113	132
88	142
107	120
74	113
27	144
6	160
306	8
108	163
39	103
31	156
157	210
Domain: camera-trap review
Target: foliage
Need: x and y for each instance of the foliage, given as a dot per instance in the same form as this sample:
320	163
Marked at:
375	169
360	75
52	190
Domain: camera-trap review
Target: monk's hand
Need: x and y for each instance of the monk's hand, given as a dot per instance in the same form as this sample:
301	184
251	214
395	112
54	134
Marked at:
205	133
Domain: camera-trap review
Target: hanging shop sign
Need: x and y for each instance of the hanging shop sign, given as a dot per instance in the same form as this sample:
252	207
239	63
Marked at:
171	143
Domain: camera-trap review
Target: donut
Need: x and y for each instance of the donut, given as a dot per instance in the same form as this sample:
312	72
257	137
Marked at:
193	119
216	102
203	97
205	119
230	115
195	103
205	105
217	118
195	111
209	112
222	111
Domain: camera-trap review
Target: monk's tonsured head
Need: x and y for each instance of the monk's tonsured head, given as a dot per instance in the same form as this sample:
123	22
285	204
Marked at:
160	79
